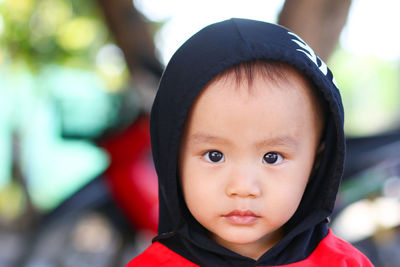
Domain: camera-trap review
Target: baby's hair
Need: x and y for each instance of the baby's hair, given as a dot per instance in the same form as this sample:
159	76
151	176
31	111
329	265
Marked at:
244	72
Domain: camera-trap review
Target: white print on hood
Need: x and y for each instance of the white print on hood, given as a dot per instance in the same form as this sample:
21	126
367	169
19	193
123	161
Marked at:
309	52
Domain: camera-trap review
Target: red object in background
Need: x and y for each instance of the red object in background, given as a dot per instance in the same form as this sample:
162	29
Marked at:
131	175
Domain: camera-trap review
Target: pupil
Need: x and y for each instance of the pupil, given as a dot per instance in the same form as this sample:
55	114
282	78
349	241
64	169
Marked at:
271	157
215	156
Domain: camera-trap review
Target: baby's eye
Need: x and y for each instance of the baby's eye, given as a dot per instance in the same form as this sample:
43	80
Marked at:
272	158
214	156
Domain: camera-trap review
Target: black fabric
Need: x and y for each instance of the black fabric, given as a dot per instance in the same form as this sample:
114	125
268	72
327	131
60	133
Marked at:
206	54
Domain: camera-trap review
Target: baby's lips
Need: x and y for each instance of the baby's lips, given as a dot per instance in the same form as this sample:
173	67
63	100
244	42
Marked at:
239	217
241	213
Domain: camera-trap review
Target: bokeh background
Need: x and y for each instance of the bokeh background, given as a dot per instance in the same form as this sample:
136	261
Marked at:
77	79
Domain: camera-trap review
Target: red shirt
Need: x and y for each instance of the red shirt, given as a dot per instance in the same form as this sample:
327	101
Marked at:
331	251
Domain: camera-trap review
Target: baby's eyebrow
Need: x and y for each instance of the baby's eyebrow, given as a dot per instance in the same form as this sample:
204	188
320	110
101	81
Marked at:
207	138
282	141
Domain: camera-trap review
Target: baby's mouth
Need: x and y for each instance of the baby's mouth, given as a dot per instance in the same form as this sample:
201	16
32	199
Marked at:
246	217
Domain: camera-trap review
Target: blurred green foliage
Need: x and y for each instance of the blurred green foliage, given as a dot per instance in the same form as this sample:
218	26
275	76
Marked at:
370	89
52	31
12	201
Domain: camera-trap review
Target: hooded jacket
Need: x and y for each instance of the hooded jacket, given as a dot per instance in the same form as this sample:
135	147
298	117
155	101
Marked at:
181	240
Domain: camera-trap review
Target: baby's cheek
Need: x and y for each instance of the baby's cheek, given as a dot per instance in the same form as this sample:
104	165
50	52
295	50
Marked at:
197	195
202	208
282	206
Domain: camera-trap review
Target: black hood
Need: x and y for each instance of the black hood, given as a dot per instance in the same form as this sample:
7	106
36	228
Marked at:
206	54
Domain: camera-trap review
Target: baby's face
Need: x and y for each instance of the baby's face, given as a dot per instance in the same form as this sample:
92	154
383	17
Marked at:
245	158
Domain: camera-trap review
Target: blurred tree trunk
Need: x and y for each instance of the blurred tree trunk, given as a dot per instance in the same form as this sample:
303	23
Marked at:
318	22
28	216
132	34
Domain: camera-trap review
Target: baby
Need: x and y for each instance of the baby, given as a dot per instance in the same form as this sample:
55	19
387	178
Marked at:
248	144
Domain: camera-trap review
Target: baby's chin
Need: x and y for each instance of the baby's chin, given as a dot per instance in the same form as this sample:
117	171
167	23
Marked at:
250	245
246	236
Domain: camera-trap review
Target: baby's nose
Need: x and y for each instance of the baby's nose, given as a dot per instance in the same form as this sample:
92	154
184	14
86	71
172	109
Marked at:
243	183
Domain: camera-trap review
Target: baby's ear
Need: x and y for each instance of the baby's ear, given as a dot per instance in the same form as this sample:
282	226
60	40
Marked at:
317	159
321	148
318	154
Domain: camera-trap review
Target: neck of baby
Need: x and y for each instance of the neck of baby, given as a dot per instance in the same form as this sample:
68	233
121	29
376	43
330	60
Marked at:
252	250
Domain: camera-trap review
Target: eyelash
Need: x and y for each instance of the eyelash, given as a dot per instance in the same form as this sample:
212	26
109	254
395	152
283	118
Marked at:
217	154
